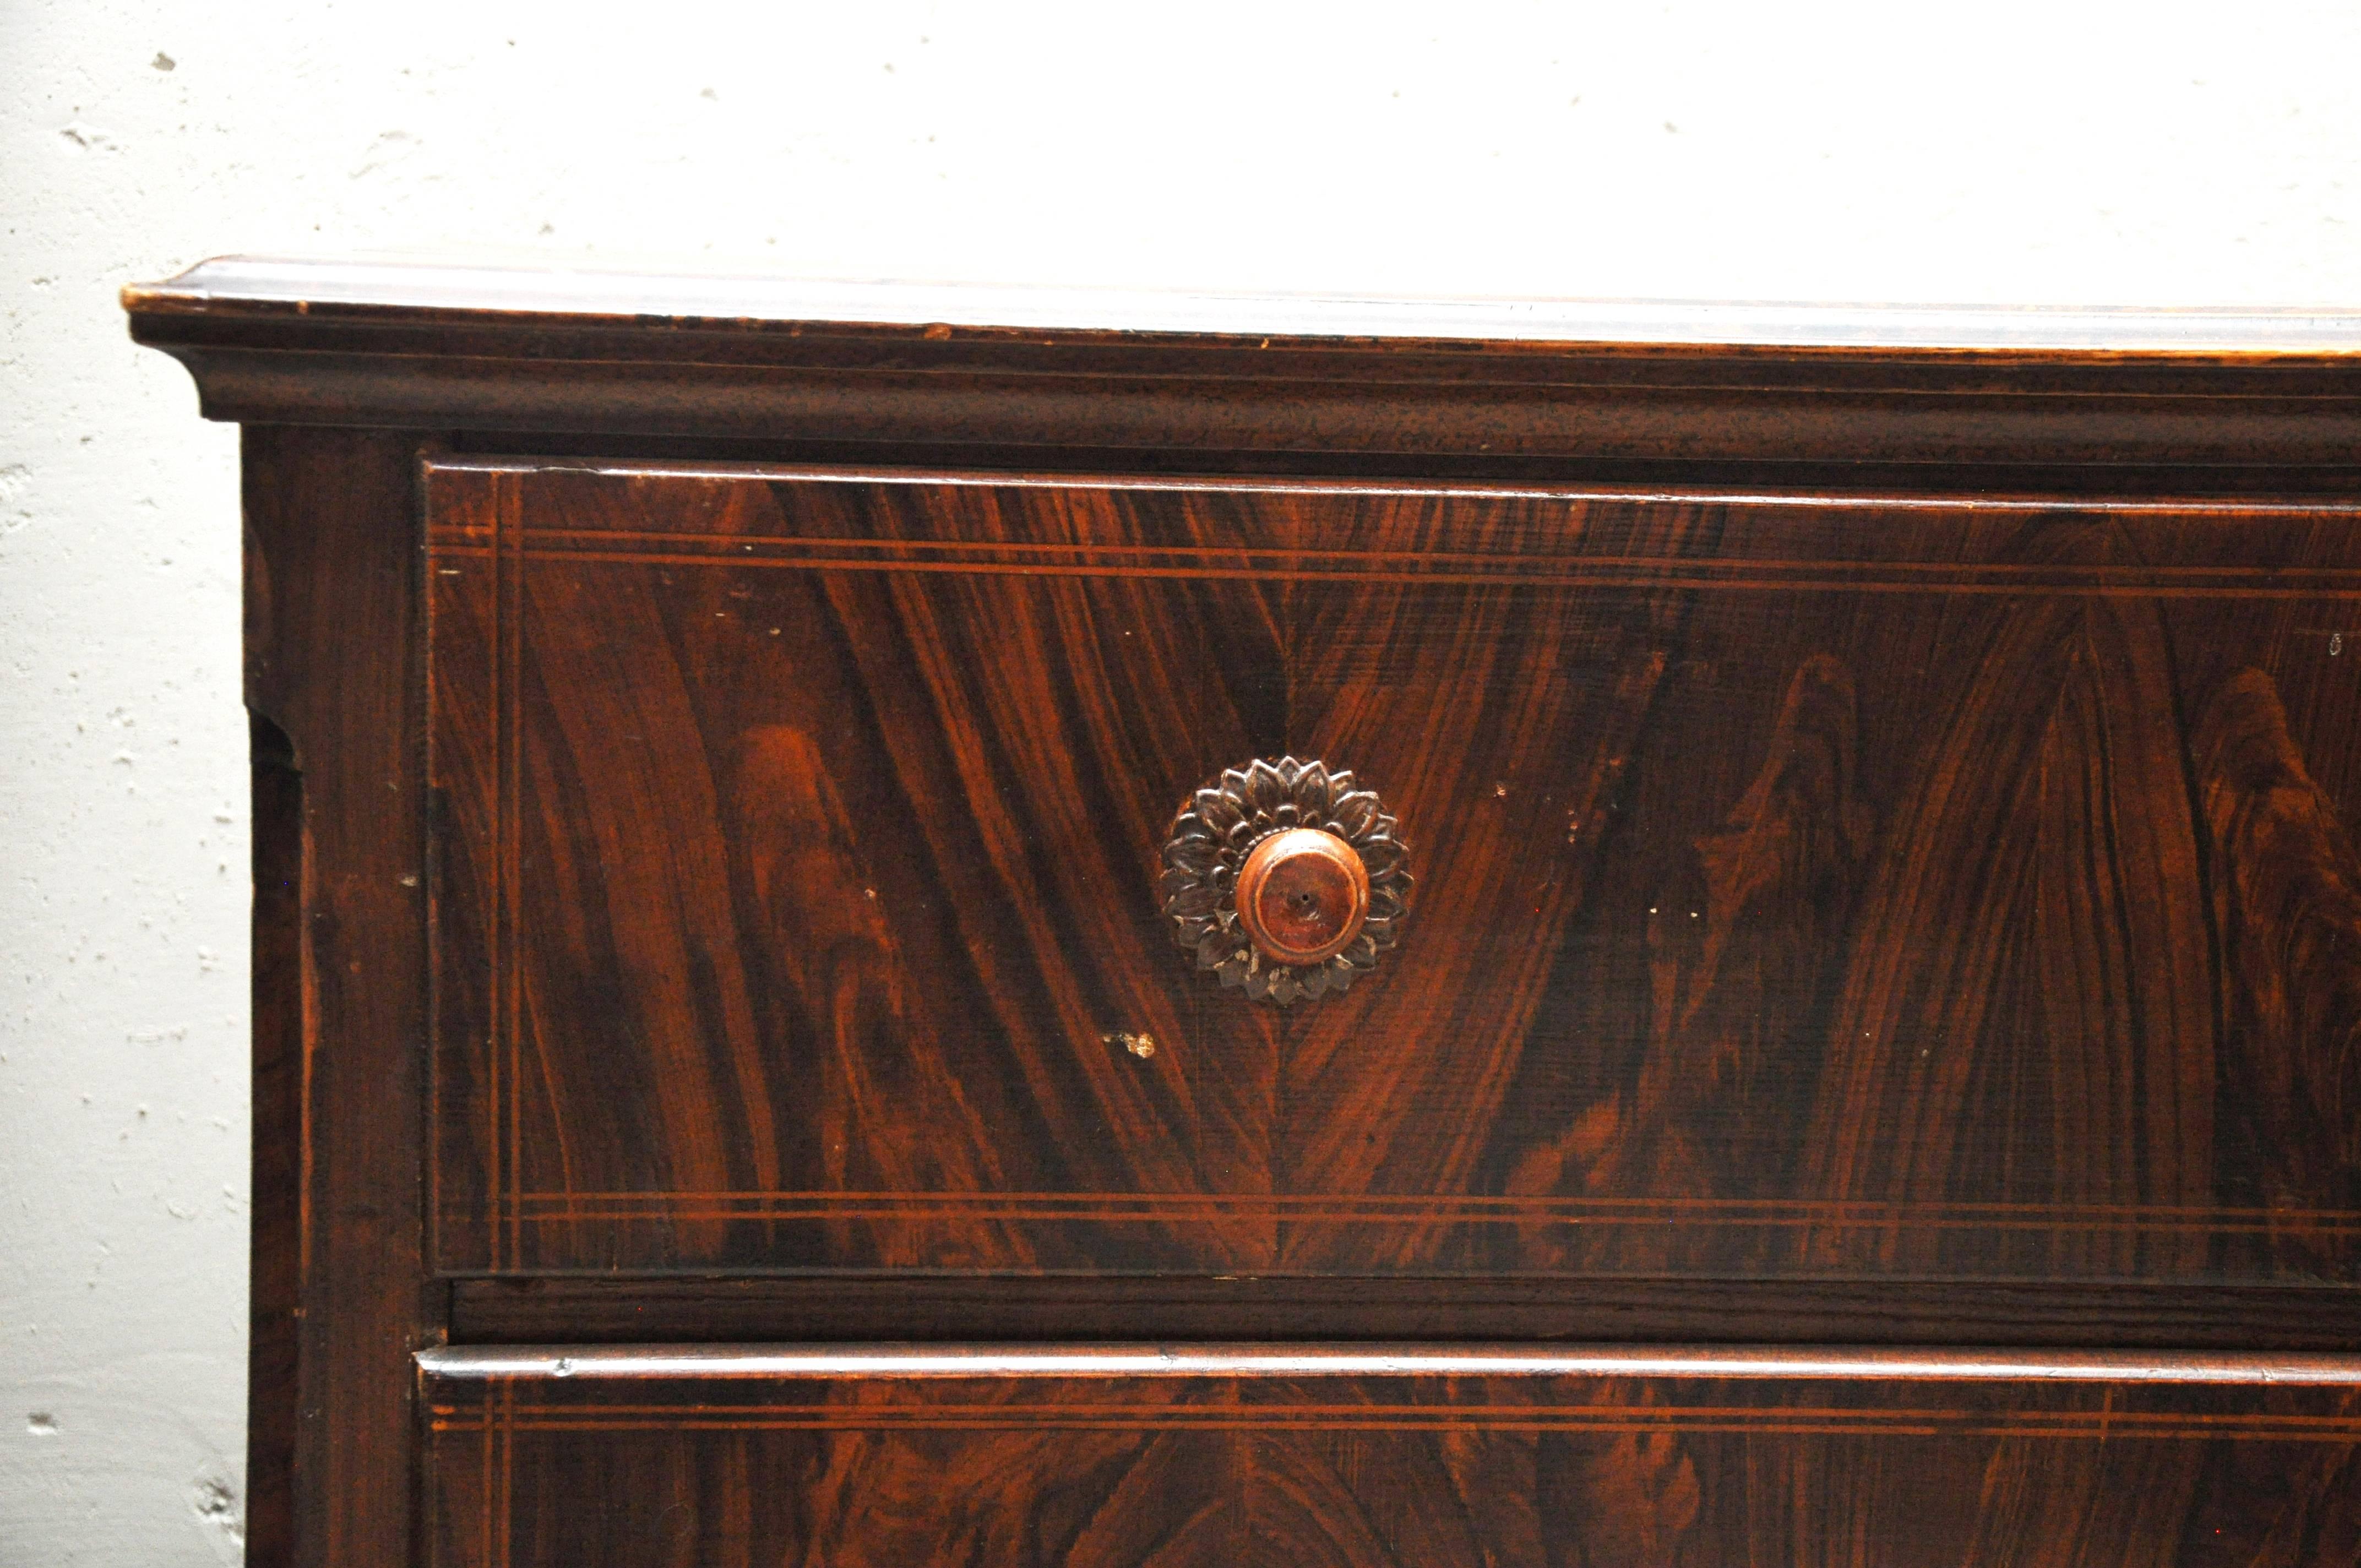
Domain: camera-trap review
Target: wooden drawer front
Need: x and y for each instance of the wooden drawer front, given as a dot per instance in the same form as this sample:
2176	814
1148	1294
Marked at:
1858	889
1228	1457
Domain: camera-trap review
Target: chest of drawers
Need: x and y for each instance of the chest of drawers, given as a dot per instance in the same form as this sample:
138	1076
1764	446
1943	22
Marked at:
902	927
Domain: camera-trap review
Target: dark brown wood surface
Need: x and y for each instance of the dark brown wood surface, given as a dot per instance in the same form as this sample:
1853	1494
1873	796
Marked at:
1880	785
1808	887
341	1294
275	1273
1406	385
1389	1454
621	1309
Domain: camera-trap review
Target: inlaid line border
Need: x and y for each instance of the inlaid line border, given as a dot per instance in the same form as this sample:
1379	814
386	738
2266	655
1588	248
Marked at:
2106	1423
503	543
1107	1208
1693	573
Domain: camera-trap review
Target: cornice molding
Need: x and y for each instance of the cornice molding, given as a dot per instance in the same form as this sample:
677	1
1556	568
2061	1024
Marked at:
473	349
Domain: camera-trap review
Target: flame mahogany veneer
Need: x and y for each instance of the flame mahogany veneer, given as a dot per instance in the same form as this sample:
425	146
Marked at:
1872	1072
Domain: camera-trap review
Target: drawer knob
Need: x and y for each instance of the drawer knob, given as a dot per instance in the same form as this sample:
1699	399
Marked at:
1302	895
1285	879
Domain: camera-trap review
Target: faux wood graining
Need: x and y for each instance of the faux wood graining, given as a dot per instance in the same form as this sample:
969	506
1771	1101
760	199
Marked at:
1229	1455
1838	917
1807	887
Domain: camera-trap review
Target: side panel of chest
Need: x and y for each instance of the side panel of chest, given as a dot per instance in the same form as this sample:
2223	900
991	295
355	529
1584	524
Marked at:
1801	888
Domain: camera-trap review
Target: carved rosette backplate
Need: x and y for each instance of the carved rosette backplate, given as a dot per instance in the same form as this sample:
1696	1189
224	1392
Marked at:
1216	832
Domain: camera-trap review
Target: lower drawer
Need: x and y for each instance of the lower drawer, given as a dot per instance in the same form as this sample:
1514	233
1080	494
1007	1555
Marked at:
1226	1455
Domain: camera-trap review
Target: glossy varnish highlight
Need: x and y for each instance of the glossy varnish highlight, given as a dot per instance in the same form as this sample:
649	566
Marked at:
1881	785
1843	887
1389	1455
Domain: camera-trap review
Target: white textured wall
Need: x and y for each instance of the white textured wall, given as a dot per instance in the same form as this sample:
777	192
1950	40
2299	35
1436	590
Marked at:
2045	152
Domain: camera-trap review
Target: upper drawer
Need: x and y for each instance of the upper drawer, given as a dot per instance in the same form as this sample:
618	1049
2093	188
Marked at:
1850	887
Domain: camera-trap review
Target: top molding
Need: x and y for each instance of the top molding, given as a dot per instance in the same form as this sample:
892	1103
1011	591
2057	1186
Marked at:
1481	381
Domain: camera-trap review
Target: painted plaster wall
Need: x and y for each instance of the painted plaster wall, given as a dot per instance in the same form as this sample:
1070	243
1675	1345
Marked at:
2047	152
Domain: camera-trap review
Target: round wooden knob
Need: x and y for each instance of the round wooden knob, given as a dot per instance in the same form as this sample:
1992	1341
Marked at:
1286	879
1302	895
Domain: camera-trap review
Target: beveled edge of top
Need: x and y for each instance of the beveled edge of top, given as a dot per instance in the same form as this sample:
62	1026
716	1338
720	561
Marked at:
266	289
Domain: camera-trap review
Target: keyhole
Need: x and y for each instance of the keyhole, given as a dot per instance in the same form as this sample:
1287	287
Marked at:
2335	643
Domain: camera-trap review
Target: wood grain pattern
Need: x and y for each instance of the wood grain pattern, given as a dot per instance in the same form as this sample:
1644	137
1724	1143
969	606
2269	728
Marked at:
1882	783
1389	1454
1828	888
